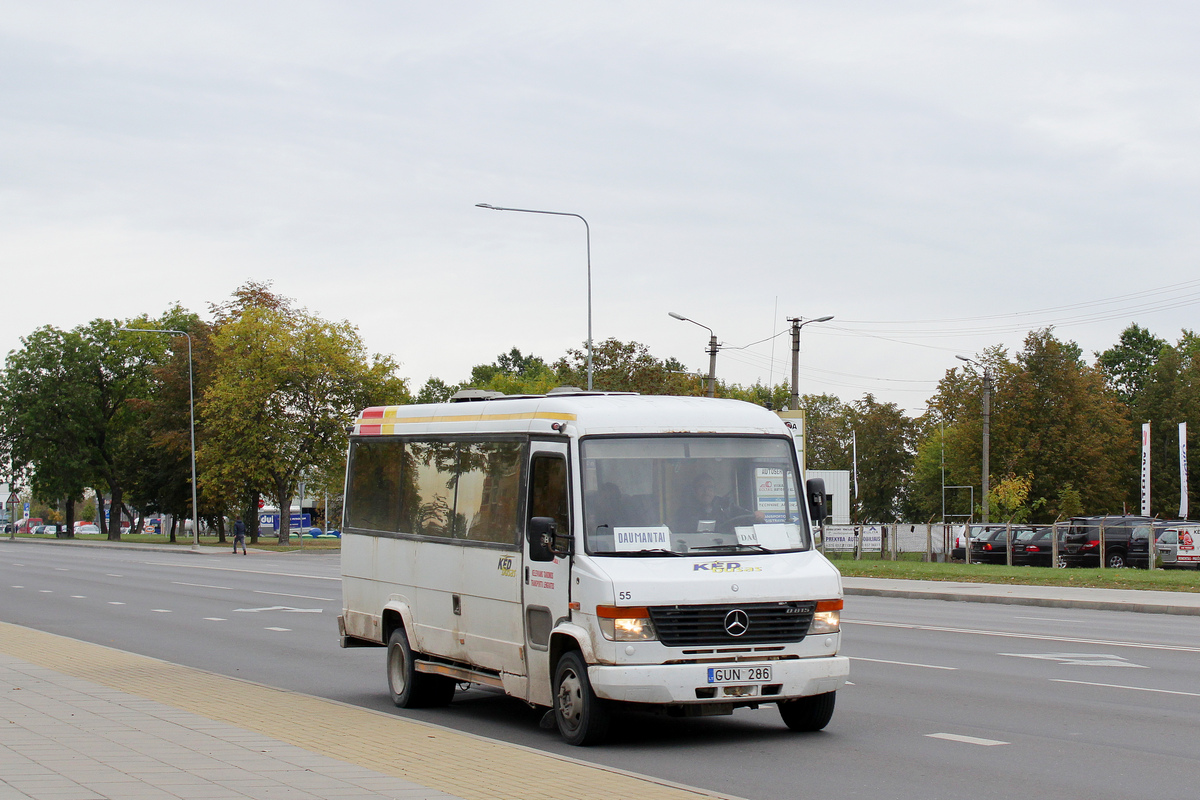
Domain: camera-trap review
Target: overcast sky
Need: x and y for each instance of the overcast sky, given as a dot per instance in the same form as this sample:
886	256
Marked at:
940	176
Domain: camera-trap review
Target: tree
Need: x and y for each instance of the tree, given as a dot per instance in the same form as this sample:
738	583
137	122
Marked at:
1067	428
1169	396
285	387
625	367
885	453
1126	366
67	414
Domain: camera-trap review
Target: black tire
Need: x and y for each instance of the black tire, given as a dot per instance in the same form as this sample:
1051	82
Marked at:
808	713
583	719
409	688
1115	560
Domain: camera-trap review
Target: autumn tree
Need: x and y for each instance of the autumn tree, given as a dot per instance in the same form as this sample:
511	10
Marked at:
626	367
285	387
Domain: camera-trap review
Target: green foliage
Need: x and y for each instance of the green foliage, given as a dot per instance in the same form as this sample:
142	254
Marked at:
625	367
885	454
285	387
1126	366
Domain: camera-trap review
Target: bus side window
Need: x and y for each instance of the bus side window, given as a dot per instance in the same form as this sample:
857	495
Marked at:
548	491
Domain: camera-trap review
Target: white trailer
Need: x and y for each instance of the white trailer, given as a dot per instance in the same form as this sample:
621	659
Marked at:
579	550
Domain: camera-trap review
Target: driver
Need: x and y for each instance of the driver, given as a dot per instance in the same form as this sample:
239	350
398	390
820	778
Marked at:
703	509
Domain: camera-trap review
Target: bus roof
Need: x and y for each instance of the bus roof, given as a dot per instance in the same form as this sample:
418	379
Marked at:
576	414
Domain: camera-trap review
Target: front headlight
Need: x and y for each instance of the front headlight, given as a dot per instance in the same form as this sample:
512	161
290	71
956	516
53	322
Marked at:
626	623
827	618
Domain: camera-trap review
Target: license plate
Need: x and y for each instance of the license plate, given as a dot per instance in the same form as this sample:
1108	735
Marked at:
739	674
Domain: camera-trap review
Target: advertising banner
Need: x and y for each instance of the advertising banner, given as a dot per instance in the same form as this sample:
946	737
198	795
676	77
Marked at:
1183	481
1146	469
841	538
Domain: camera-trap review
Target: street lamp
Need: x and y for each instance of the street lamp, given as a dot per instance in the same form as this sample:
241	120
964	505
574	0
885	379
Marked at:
588	233
712	353
796	326
192	414
987	421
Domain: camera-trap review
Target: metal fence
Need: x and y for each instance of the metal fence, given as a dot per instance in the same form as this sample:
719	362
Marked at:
940	541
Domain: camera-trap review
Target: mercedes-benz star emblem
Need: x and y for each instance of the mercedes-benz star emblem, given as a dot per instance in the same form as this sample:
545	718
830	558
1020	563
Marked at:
737	622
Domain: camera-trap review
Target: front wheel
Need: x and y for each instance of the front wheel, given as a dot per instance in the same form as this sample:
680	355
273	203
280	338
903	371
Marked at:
582	717
409	688
808	713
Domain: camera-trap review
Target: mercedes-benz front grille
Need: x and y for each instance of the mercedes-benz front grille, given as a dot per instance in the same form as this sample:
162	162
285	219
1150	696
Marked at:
757	623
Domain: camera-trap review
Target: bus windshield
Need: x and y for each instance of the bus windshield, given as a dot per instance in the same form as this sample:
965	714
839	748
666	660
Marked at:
676	495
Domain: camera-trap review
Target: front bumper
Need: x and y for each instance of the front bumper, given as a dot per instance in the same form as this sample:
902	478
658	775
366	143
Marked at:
683	684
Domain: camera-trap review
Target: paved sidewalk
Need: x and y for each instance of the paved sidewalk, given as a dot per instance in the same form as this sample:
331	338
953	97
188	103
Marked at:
1050	596
83	722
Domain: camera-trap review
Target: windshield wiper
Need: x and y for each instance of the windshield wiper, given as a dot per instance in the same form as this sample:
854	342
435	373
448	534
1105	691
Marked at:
757	548
658	551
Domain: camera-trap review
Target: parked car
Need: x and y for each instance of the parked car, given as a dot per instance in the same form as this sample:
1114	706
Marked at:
86	527
1178	545
992	546
1081	543
39	530
968	533
1033	547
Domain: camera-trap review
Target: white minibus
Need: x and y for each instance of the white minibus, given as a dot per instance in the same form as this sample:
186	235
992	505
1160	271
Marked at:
589	551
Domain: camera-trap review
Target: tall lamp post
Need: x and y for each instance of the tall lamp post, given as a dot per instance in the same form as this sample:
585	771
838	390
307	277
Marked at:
192	414
796	326
712	352
987	421
588	234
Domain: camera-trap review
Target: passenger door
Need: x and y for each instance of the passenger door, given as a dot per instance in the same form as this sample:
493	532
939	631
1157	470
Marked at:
546	584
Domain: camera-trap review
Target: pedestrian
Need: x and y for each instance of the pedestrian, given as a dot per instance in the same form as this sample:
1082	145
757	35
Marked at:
239	536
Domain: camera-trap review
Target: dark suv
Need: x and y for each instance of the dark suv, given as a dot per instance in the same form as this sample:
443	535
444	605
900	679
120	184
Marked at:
1080	545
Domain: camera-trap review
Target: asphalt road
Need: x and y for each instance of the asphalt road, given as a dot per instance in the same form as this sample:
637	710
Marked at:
947	700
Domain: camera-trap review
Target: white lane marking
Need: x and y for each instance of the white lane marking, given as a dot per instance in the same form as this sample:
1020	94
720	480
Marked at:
1047	619
216	619
1079	659
79	597
62	569
17	587
45	591
246	571
281	630
297	596
899	663
282	608
112	575
115	603
1131	688
203	586
954	737
1034	636
161	610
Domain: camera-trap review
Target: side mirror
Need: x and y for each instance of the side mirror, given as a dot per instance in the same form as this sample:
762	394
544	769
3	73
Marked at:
815	489
544	542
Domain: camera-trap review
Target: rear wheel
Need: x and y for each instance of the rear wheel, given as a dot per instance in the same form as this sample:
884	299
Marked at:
409	688
582	717
808	713
1061	563
1115	560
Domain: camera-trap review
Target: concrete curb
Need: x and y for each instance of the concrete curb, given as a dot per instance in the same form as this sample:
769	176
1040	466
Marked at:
1046	602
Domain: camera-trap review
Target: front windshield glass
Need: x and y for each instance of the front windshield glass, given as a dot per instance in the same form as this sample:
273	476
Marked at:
697	495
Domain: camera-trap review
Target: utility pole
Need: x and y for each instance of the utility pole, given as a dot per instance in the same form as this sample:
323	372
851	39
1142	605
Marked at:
794	404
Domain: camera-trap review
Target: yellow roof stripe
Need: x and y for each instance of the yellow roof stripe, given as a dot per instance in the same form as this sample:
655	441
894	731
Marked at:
389	418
